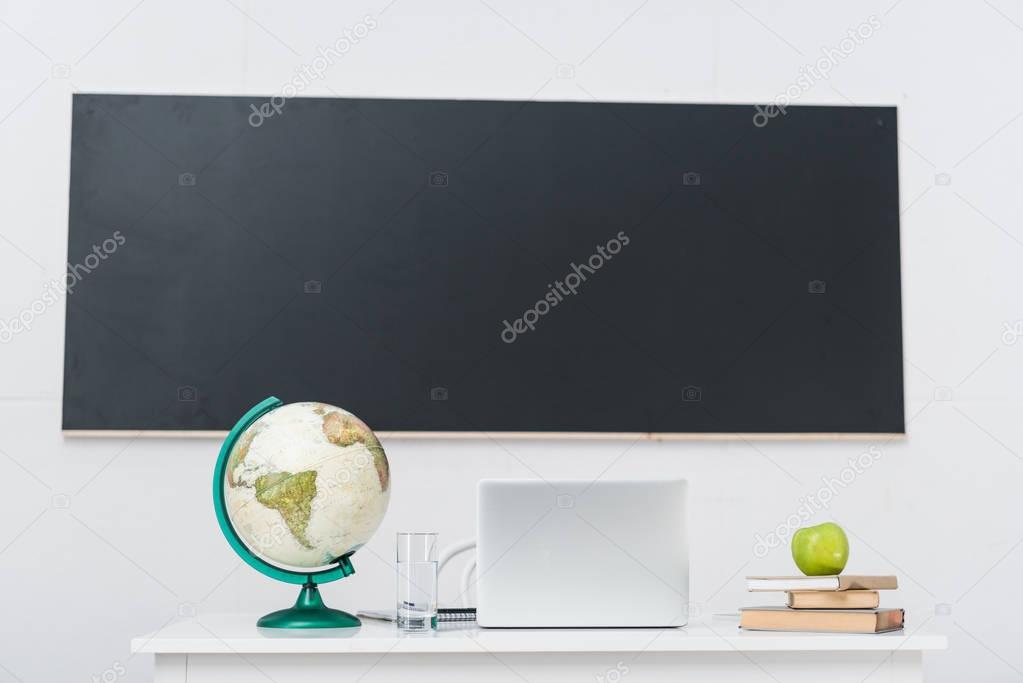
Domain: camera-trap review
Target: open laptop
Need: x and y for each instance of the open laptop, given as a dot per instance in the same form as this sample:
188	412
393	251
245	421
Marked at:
579	553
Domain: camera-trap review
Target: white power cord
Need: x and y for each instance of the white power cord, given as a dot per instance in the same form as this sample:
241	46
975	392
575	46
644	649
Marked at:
449	553
467	581
456	548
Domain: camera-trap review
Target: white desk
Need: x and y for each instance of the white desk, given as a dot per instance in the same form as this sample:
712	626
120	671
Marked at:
229	649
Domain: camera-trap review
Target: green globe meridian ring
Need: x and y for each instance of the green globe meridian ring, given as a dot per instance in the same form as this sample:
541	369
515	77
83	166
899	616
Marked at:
309	610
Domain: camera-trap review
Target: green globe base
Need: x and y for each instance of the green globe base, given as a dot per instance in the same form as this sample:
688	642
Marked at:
309	612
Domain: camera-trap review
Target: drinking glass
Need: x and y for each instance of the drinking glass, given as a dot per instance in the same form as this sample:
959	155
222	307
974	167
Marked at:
417	581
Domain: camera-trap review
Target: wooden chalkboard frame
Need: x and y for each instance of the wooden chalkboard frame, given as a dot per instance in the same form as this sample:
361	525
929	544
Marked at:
581	436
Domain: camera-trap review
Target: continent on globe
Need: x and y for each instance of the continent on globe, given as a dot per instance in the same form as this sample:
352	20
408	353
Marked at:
238	454
345	430
291	495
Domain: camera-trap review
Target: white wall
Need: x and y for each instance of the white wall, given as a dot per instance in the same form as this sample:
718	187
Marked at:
137	540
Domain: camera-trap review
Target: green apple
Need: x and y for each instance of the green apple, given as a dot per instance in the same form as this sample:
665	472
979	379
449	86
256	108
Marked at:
820	550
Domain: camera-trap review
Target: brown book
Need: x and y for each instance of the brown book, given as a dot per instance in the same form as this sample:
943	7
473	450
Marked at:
839	582
821	620
834	599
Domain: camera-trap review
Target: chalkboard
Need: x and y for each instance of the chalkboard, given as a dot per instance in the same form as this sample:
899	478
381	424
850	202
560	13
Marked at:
484	266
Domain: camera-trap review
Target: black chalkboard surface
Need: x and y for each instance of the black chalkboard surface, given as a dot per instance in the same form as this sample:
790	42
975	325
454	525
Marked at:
466	266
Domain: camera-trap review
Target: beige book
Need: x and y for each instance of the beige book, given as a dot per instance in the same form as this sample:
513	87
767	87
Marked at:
821	620
834	599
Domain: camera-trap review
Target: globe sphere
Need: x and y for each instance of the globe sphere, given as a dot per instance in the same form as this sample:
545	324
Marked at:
306	484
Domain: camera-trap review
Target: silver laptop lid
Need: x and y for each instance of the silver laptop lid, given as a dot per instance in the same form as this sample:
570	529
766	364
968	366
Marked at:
582	553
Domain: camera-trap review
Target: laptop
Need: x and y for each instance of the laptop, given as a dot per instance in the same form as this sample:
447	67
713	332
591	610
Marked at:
581	553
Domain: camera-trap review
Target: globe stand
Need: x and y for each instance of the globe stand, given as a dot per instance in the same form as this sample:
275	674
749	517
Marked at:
309	612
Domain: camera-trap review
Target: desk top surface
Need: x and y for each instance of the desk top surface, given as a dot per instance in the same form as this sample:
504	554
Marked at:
238	634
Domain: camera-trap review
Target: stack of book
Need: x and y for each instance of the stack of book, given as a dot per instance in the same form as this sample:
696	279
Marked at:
826	604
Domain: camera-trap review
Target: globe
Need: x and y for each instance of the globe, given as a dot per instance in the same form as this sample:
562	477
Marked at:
298	489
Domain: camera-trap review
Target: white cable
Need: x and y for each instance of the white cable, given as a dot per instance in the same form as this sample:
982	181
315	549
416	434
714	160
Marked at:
449	553
456	548
467	581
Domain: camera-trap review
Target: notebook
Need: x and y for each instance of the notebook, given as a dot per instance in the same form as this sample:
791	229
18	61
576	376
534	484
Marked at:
841	582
